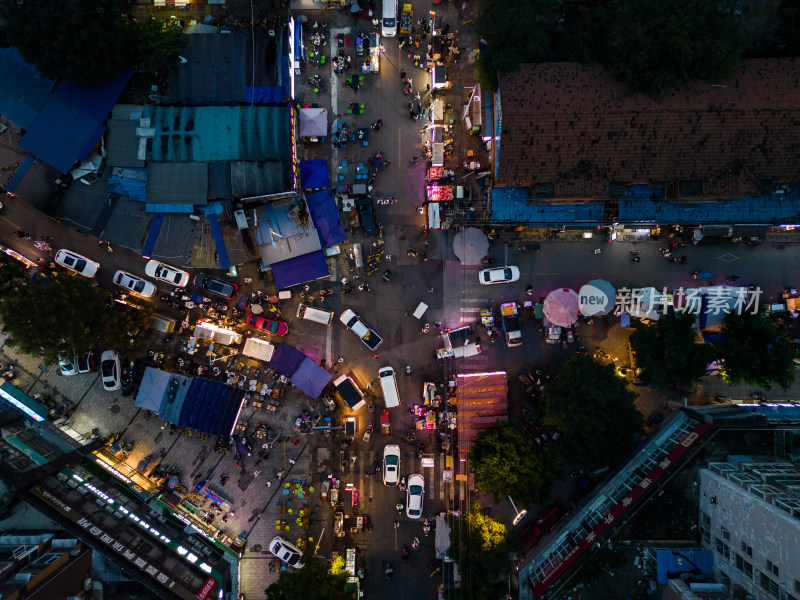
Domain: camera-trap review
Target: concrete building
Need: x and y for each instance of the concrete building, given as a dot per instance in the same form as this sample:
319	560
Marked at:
42	566
750	519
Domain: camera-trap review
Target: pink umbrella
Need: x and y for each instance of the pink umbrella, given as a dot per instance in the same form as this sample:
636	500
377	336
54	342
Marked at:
561	307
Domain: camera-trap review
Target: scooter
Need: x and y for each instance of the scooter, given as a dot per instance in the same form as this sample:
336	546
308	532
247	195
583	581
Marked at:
387	570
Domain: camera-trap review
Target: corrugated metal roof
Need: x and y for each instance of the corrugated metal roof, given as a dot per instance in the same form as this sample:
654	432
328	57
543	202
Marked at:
782	208
128	224
219	181
510	204
127	111
214	71
123	145
177	183
37	187
11	156
259	178
23	92
220	133
280	235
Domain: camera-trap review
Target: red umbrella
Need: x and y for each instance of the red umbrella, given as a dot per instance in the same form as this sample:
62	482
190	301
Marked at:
561	307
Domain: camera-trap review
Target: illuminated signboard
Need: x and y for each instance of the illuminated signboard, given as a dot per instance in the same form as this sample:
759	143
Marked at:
23	402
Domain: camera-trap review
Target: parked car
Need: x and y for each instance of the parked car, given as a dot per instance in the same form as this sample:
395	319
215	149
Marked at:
77	263
349	392
498	275
217	287
273	326
391	464
286	552
110	370
68	366
135	284
162	272
414	496
365	213
87	362
354	323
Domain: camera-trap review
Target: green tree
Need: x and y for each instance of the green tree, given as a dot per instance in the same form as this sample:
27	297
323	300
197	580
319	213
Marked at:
514	34
754	351
668	353
77	40
11	275
655	45
480	546
314	581
594	411
67	316
157	43
505	463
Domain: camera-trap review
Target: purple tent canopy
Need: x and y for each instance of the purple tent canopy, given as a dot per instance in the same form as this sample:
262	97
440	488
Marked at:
301	370
561	307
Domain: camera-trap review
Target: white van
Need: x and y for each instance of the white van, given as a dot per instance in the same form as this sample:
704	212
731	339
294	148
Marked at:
318	315
389	386
389	20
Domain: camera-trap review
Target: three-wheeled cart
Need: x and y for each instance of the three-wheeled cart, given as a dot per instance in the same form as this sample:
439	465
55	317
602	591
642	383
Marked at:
386	424
338	524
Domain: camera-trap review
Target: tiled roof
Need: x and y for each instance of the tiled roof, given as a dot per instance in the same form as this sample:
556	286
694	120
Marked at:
573	126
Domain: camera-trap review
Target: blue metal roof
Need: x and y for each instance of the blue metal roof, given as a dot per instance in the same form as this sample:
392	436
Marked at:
219	133
510	205
300	269
326	217
71	122
669	563
777	208
23	92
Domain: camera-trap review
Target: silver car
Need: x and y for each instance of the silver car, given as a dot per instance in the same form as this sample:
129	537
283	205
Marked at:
414	496
391	464
288	553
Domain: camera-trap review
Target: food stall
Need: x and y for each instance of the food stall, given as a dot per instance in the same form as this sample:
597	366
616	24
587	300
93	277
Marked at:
338	524
429	395
372	59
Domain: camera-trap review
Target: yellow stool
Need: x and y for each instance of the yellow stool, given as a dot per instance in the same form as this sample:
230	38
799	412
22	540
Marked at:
286	528
278	525
290	511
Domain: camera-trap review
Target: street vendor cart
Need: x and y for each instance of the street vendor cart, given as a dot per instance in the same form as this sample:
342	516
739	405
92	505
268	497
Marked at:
386	424
324	492
338	524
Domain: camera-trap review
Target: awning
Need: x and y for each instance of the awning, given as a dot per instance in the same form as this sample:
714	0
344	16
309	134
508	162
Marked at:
597	297
438	78
759	231
314	174
300	269
258	349
438	111
310	378
325	215
313	122
434	216
437	155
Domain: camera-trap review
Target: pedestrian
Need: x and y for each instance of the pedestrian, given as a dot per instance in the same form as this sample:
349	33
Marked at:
389	257
292	461
408	53
414	159
375	357
402	75
258	463
257	473
268	483
636	259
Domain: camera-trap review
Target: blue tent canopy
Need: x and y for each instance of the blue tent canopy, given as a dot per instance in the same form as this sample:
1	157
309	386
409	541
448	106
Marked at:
326	217
314	174
202	404
301	370
311	378
286	359
300	269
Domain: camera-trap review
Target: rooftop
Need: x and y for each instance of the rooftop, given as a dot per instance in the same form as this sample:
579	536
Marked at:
571	130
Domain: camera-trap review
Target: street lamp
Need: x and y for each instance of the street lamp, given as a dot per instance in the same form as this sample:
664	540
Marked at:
520	513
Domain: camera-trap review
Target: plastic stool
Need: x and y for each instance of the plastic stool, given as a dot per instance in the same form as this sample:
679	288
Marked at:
285	491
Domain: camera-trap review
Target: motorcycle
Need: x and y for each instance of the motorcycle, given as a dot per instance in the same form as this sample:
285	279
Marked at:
23	234
402	485
42	246
387	570
487	261
404	554
426	527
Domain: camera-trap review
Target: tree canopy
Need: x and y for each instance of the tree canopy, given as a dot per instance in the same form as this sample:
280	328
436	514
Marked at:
593	409
655	45
66	315
668	353
480	546
312	582
88	40
754	351
505	463
508	44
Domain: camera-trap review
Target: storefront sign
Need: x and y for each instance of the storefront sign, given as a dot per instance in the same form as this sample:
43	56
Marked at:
23	402
207	588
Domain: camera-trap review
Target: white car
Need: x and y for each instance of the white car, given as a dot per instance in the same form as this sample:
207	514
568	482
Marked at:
414	495
77	263
498	275
162	272
135	285
288	553
391	464
110	369
68	367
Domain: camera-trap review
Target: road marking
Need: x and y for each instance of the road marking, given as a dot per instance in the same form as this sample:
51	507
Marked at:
728	257
329	336
466	309
441	470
